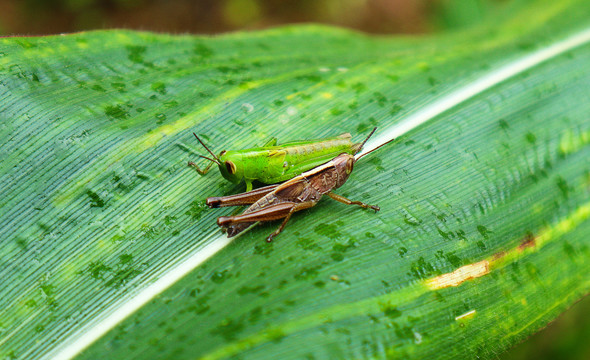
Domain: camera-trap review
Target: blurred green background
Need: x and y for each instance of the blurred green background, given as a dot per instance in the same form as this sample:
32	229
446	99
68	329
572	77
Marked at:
566	338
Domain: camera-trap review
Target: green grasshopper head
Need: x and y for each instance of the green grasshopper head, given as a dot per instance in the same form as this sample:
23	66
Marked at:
229	162
231	166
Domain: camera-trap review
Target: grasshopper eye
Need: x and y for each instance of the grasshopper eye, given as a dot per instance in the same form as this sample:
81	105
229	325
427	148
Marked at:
349	165
222	153
231	167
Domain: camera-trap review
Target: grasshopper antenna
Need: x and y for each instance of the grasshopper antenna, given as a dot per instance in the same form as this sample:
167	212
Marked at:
368	152
210	152
208	158
368	137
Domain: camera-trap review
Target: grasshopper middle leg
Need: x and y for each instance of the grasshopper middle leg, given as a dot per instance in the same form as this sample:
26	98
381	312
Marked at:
296	207
346	201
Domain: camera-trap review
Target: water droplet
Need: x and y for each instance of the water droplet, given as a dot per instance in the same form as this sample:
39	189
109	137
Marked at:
247	108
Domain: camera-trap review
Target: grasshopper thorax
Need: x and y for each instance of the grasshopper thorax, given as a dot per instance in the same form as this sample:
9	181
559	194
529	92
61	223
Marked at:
345	165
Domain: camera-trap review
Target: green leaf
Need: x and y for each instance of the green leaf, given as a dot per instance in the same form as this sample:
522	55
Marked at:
485	194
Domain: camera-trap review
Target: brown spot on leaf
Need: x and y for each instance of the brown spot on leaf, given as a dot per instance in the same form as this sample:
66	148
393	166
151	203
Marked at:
528	241
498	255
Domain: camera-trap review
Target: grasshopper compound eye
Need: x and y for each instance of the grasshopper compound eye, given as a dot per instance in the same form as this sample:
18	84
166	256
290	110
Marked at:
231	167
349	166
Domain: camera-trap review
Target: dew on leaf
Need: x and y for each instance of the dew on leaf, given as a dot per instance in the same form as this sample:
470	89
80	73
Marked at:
116	112
390	311
219	277
98	88
197	207
135	53
203	51
228	329
453	259
319	284
530	137
329	230
159	87
504	124
95	199
411	221
276	335
255	315
402	251
424	66
484	231
307	273
480	244
421	269
359	87
380	98
39	328
392	78
307	244
336	256
21	243
395	109
161	118
569	250
563	187
97	269
244	290
336	111
120	87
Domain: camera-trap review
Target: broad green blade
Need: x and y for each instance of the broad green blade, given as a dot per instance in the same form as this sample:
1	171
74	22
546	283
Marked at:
485	193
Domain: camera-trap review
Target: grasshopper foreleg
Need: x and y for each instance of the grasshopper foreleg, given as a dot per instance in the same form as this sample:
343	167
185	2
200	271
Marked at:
346	201
196	167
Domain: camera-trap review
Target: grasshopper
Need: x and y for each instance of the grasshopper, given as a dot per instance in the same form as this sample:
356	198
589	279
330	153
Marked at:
280	201
272	164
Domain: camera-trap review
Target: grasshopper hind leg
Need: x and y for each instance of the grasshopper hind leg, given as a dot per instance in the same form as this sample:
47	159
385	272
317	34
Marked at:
239	223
